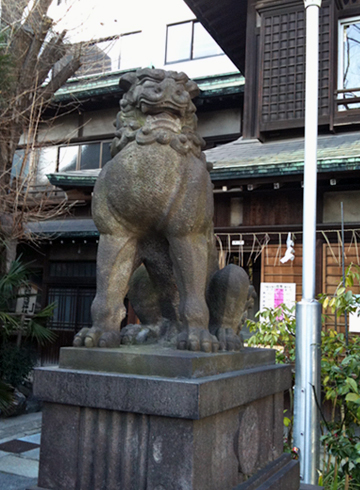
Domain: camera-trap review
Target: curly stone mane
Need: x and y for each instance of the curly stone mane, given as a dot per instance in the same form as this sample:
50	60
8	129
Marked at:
142	118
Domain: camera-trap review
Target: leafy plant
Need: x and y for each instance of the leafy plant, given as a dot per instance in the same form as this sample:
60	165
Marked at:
17	359
275	328
16	363
340	381
30	327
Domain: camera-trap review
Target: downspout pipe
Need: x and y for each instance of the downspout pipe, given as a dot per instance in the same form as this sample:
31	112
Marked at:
308	310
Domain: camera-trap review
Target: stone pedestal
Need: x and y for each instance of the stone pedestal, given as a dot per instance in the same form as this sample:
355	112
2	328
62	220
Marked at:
158	419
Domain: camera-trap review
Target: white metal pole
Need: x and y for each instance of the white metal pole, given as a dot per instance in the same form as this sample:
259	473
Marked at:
308	312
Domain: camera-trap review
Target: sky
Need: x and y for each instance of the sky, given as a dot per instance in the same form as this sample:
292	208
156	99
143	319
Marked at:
93	19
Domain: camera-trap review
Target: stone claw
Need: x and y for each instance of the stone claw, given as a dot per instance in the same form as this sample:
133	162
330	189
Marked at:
95	337
228	339
197	339
109	339
80	337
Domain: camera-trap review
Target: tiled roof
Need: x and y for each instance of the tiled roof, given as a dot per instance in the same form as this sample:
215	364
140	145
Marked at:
108	83
251	158
64	227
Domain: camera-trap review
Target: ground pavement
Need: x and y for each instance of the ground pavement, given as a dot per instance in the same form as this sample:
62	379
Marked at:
19	451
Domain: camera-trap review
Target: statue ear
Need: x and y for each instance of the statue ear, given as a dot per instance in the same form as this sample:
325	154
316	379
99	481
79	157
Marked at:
127	80
192	88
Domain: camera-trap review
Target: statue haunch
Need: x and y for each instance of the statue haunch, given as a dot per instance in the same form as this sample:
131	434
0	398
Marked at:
153	205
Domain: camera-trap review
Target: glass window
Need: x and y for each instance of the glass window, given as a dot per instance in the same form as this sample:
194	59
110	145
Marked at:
20	165
65	307
46	164
90	156
68	156
349	67
189	40
178	44
131	52
204	44
72	307
106	155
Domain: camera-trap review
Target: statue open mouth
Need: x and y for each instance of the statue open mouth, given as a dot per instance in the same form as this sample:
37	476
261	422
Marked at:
168	106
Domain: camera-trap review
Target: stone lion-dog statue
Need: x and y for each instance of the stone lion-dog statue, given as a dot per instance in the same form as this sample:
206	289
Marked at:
153	205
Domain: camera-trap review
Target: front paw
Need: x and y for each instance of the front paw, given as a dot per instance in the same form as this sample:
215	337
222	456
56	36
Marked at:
228	339
197	339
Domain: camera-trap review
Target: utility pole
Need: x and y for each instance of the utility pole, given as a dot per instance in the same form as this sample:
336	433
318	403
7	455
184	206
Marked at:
308	311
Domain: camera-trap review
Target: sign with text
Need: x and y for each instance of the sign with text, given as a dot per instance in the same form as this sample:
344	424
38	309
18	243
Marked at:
273	294
26	300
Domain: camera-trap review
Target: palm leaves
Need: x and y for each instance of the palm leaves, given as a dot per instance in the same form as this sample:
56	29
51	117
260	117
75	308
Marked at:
29	327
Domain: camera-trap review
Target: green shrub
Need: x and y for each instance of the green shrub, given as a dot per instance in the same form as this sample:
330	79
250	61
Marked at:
16	363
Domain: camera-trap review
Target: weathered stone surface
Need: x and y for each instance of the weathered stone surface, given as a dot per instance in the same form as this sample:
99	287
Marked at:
281	474
167	362
181	398
116	431
153	205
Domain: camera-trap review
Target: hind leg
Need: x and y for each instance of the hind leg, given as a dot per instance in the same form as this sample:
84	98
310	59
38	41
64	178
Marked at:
117	259
190	261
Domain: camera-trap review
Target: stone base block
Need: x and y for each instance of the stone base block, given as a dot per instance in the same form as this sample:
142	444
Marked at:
115	431
282	474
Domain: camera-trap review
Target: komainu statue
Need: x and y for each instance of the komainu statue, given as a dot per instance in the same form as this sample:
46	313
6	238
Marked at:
153	205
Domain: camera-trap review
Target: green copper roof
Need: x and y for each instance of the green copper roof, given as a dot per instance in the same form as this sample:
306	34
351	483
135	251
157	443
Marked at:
105	84
243	159
77	178
252	158
84	227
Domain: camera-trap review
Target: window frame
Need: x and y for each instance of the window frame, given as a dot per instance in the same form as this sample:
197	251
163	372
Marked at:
191	58
78	158
342	22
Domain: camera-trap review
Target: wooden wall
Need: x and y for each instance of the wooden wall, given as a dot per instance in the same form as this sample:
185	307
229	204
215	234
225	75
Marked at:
272	270
332	275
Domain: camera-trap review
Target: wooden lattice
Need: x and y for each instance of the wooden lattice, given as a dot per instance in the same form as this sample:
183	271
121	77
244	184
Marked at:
283	66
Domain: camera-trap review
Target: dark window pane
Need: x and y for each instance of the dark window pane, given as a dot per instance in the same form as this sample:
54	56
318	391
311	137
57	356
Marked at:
65	307
72	269
204	44
90	156
106	155
68	158
85	298
178	46
72	307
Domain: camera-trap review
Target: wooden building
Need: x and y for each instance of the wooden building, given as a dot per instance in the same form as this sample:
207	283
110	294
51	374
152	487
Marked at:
255	141
258	178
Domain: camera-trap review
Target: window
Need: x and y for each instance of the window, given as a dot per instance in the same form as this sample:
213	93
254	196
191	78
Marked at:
189	41
349	68
74	297
72	307
86	156
20	165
